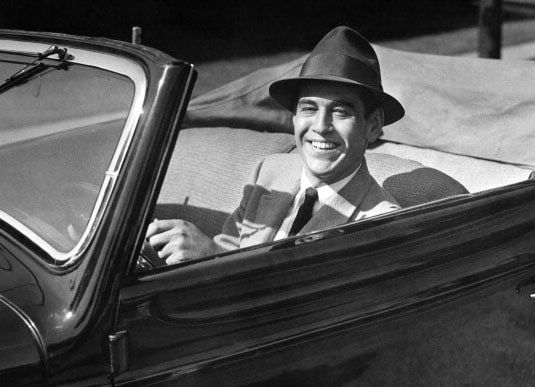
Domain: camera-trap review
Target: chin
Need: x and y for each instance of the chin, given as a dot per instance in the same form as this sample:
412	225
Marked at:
320	171
325	176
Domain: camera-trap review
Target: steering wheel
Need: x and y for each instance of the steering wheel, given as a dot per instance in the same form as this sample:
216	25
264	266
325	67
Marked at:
148	258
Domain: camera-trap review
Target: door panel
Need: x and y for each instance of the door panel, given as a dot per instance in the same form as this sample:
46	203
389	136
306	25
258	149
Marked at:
422	295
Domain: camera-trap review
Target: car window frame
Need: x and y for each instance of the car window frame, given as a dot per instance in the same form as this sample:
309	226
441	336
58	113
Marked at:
107	62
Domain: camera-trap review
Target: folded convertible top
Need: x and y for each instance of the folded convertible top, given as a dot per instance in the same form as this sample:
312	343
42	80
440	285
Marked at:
476	107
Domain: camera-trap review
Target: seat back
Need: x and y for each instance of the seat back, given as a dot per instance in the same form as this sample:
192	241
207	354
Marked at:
410	182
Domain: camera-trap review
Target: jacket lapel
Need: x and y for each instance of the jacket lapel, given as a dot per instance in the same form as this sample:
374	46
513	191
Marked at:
272	209
340	208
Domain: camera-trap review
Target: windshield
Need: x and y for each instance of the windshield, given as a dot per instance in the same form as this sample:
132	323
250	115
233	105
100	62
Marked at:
58	133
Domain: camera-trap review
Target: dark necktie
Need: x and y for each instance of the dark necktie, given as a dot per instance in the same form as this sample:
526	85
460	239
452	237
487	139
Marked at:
305	211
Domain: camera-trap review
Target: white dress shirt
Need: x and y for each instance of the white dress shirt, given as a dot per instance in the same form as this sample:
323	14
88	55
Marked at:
324	193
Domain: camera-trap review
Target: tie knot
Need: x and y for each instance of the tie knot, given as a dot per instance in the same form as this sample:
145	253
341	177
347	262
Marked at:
311	194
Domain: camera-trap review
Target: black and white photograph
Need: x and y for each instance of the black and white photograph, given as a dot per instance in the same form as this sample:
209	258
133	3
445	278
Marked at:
267	193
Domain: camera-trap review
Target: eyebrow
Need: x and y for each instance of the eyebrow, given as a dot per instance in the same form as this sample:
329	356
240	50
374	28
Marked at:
304	101
345	103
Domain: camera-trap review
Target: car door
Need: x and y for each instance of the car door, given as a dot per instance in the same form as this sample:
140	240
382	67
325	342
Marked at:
86	125
422	296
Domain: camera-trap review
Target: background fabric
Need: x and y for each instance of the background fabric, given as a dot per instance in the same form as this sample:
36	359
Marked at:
469	106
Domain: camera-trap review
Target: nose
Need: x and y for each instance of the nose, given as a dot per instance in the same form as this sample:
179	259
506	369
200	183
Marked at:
322	123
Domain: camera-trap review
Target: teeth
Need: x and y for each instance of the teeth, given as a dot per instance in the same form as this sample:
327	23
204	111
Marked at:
323	145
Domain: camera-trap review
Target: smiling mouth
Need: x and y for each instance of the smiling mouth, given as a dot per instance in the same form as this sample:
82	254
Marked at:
324	145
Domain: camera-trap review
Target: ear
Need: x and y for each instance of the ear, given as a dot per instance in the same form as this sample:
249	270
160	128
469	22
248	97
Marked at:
375	125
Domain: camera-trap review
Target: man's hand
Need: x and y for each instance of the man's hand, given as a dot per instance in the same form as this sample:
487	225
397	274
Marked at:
176	241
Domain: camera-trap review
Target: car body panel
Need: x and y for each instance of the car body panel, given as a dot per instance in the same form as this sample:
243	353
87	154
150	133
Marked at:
286	311
21	344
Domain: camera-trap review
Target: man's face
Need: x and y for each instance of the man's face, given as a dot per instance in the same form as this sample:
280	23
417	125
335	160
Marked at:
331	131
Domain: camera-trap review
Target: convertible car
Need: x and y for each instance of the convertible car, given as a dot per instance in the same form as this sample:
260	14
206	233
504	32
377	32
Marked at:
98	137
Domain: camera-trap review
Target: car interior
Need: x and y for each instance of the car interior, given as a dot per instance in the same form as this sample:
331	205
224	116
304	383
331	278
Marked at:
228	130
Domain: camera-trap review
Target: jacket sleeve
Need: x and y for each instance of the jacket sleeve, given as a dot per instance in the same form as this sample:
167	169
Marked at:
229	238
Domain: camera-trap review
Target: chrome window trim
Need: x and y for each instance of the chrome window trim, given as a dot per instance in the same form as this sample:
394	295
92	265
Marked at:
108	62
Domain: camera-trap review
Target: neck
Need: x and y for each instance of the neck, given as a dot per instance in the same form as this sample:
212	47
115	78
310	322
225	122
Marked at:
318	181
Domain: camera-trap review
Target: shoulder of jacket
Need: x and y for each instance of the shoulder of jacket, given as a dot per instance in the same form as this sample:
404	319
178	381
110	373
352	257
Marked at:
282	162
280	166
277	158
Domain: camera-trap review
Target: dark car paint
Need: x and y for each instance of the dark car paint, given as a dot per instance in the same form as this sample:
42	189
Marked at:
328	311
22	348
76	313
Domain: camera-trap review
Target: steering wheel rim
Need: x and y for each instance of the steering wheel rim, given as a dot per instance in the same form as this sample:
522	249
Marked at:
148	258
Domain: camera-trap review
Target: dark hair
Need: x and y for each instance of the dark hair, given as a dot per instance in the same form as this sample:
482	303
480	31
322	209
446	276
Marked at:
369	102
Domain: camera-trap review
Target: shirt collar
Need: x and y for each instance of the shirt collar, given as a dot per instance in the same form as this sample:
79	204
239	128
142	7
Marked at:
326	190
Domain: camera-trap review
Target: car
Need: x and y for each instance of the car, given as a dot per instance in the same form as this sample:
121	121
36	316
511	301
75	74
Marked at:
98	137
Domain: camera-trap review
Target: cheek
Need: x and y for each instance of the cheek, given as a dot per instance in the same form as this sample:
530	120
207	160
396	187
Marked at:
300	127
354	138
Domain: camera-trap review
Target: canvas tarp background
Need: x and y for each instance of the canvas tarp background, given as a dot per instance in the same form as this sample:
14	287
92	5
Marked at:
469	106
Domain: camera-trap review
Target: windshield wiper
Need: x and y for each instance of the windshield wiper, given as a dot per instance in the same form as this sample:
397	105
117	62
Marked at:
34	67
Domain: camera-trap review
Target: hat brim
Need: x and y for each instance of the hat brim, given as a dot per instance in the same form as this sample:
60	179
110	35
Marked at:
286	92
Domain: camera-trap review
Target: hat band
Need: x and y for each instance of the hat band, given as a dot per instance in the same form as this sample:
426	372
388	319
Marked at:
341	66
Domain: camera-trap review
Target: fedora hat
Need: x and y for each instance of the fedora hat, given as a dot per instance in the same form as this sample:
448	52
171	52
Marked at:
343	56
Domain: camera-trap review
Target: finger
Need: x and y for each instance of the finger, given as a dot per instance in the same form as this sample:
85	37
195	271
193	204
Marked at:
151	229
160	226
178	245
159	240
177	258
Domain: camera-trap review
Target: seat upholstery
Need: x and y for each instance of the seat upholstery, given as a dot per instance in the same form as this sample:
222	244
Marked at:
410	182
208	170
210	166
475	174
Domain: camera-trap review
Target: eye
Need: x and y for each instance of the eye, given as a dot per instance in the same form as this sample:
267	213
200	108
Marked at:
341	113
306	108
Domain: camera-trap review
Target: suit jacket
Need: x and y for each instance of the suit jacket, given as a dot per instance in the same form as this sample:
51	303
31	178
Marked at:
269	195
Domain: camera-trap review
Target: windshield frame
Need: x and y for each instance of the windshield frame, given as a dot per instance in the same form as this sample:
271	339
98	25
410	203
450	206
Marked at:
107	62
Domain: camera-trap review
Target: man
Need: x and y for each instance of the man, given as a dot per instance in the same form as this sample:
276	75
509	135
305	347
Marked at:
338	106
